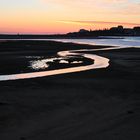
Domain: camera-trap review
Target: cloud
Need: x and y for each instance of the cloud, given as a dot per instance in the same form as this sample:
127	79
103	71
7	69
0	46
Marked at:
123	10
67	1
85	2
114	1
100	22
132	9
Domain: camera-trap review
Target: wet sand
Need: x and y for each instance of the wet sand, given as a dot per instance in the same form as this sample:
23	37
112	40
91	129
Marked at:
97	104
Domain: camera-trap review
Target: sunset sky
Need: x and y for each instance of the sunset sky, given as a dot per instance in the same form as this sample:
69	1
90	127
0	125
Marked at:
61	16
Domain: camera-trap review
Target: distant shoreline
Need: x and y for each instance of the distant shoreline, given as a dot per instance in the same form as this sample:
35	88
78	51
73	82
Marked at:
58	37
119	31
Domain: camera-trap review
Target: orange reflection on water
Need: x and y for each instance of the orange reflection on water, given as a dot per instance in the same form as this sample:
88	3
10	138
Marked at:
98	62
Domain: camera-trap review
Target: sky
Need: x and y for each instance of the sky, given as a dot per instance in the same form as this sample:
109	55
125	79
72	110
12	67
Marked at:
62	16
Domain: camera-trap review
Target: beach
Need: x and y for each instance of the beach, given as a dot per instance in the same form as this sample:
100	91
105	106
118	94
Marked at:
99	104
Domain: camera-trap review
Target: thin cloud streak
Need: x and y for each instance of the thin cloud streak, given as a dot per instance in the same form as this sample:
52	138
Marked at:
99	22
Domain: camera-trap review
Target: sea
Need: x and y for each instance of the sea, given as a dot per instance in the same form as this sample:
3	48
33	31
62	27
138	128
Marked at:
110	41
105	41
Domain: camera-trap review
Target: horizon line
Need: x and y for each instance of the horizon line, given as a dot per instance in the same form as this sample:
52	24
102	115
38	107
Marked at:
18	33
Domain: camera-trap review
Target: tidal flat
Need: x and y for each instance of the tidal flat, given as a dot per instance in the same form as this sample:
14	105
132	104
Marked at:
99	104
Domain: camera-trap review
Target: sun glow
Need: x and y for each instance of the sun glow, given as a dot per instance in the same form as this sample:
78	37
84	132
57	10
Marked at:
61	16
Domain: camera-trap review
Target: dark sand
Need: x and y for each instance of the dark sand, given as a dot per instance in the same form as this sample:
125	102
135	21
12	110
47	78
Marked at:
101	104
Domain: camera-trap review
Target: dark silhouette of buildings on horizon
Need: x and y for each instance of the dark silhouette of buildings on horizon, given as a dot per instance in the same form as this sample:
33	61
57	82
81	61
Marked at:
114	31
82	33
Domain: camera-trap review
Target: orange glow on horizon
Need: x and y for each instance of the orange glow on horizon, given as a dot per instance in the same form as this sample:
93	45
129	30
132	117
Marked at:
62	16
56	27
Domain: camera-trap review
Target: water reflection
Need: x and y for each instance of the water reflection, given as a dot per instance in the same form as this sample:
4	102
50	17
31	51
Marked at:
98	62
123	42
39	64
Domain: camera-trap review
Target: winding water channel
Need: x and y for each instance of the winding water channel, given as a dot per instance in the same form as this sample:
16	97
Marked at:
98	61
